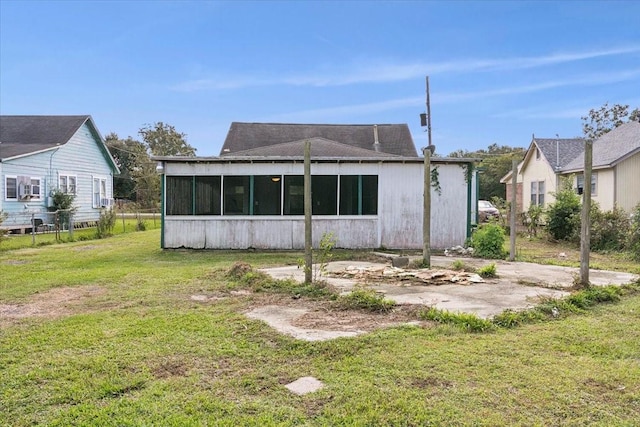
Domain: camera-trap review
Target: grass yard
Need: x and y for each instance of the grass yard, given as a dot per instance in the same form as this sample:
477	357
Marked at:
113	338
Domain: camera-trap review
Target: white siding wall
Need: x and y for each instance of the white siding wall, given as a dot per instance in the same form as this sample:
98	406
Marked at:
397	225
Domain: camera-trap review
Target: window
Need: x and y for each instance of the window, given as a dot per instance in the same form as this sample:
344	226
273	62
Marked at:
22	188
35	188
358	195
99	191
580	183
207	195
179	195
324	200
266	195
236	195
324	194
537	193
11	188
67	184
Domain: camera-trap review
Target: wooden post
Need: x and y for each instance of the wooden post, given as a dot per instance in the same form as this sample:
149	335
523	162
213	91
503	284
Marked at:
585	226
33	229
308	242
426	215
512	218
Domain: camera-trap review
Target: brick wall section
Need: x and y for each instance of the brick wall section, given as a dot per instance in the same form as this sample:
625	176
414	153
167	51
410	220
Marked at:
518	196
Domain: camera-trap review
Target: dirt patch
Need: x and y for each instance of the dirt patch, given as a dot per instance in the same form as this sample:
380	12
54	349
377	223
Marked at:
318	320
57	302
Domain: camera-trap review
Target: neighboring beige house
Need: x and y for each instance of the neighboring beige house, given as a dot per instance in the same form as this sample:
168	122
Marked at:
615	178
616	169
538	172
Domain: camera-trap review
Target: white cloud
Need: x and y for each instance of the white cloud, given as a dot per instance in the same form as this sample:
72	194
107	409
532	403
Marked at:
380	72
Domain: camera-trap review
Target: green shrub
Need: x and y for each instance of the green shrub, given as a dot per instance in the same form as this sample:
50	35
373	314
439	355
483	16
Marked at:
609	229
564	215
488	271
532	219
488	241
141	224
63	204
3	217
633	239
106	223
366	299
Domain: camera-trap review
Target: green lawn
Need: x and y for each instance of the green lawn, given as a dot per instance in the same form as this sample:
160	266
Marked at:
139	351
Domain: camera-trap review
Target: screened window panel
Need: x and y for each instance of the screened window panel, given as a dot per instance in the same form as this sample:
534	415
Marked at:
207	192
324	194
236	195
266	195
293	195
349	195
369	195
179	195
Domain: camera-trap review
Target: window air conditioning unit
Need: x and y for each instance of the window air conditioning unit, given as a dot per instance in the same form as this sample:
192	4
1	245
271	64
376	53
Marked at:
25	191
106	202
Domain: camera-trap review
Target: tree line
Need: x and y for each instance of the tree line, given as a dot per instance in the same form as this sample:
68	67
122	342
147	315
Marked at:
138	180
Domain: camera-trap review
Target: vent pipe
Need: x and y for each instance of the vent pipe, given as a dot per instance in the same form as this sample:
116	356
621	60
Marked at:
376	142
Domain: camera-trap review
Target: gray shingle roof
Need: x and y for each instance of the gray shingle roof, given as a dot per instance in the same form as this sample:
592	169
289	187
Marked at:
320	147
560	151
21	135
611	148
394	139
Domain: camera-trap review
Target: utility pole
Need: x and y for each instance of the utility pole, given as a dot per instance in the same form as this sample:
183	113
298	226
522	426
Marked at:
308	242
514	201
426	211
585	226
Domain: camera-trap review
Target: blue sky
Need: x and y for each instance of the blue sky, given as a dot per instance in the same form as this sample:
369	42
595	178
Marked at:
499	71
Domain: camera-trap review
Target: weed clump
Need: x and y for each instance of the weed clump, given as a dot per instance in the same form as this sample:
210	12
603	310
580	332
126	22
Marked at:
366	299
488	271
465	321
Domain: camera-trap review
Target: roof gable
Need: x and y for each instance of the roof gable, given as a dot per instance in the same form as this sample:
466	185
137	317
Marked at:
393	139
556	152
25	135
320	147
611	148
559	151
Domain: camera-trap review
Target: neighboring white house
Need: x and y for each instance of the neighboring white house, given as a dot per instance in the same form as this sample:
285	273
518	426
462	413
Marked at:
367	189
616	169
40	154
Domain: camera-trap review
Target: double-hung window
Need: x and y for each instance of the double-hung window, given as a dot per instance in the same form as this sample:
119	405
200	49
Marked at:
11	188
580	183
99	191
67	184
537	193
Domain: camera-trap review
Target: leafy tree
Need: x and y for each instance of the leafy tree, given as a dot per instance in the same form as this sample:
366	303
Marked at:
163	140
600	121
131	156
138	180
496	162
